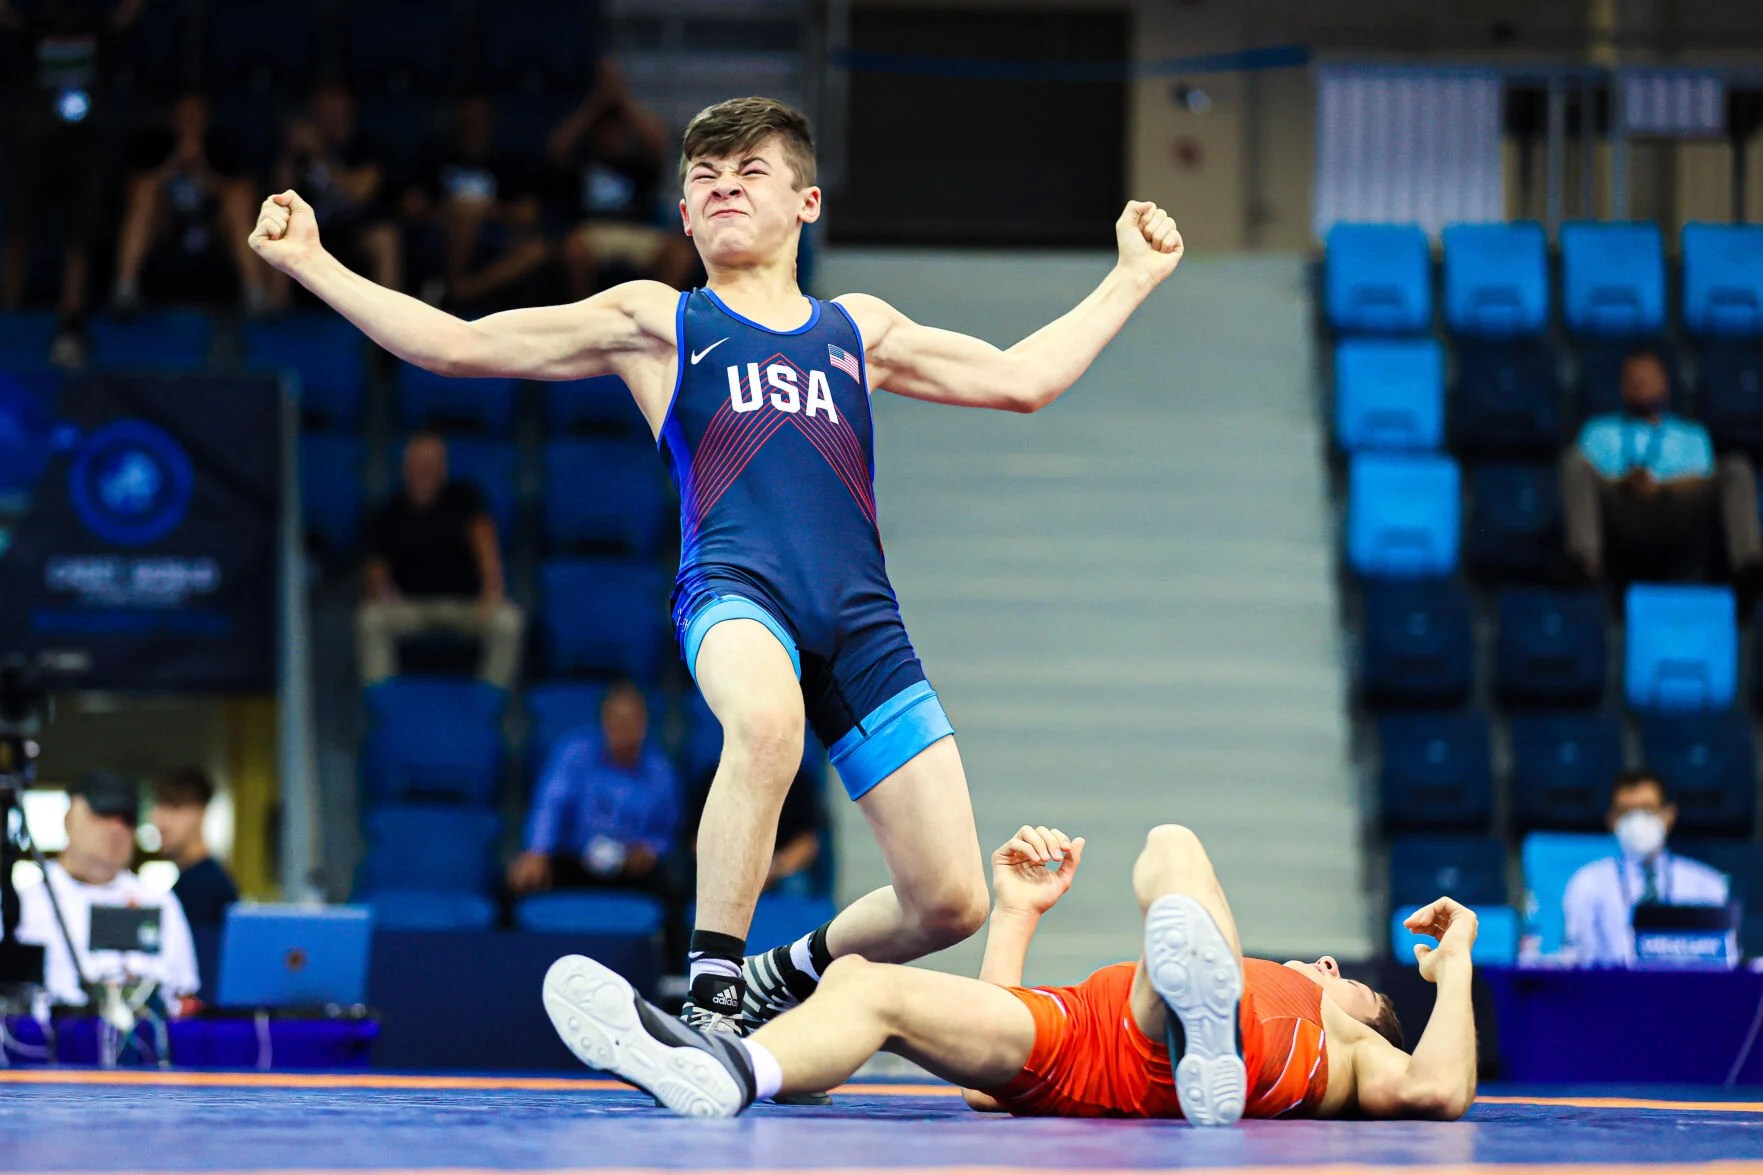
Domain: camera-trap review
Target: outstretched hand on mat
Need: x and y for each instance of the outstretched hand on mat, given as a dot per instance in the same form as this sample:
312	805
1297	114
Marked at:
1021	881
1452	924
286	235
1149	242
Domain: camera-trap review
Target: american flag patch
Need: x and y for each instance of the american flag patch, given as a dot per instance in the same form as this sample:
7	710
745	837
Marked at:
844	361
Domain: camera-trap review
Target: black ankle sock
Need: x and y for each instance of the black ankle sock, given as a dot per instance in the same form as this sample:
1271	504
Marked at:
818	954
715	954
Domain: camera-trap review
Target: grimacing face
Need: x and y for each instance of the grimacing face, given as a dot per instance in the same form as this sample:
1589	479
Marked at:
744	208
1349	995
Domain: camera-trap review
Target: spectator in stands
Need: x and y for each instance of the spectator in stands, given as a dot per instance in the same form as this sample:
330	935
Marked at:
797	847
606	809
92	873
478	204
54	117
343	175
1599	903
611	155
434	564
189	206
180	805
1644	497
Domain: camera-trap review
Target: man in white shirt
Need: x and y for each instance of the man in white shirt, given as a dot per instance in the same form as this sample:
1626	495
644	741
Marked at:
92	873
1600	899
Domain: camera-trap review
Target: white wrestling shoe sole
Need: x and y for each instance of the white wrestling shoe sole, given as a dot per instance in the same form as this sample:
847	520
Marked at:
595	1012
1193	968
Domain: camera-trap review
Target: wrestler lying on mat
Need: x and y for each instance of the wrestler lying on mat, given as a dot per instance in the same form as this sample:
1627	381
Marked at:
1248	1037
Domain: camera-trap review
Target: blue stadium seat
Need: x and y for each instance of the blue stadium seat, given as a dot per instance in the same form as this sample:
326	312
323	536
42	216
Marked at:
429	847
1436	773
604	616
251	45
25	336
1742	862
1514	529
492	466
1709	761
782	918
1613	279
1550	861
1496	938
325	351
160	340
1551	648
1418	643
1389	394
1562	765
434	738
1377	279
538	45
1471	869
603	494
332	499
1723	279
427	400
427	909
1402	516
1496	279
602	404
557	709
1508	399
399	45
609	912
1729	395
1682	648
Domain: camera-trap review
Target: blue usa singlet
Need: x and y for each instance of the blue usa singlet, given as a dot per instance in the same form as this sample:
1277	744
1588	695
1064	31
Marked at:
771	446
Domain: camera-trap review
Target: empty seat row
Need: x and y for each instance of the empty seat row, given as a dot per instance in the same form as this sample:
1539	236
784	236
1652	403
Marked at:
1378	279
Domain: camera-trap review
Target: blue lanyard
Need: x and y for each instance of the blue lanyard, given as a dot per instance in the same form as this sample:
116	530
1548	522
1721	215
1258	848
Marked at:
1656	443
1663	875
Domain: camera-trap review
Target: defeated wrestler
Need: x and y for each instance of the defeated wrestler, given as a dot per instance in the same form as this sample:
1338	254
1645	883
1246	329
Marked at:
1248	1037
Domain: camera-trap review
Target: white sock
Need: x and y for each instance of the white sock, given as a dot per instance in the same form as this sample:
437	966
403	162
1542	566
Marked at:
803	958
704	965
768	1077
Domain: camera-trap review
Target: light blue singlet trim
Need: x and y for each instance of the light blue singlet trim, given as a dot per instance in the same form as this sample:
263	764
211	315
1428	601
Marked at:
735	608
889	737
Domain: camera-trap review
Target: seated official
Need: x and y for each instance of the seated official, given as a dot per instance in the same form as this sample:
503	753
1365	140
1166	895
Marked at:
90	881
1601	898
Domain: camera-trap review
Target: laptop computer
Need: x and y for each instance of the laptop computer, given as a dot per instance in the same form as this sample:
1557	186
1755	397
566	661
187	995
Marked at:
286	956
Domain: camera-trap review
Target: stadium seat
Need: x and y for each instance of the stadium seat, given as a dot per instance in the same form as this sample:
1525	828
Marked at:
602	494
1418	644
247	47
1562	766
490	465
402	126
1742	862
600	405
1550	860
1729	395
1682	648
1435	772
424	909
1550	649
399	45
610	912
557	709
434	738
1613	279
1471	869
1514	529
538	45
782	918
325	351
427	400
1496	938
1723	279
1508	399
1389	394
25	336
603	615
1377	279
429	847
159	340
1709	761
1496	279
331	496
1402	516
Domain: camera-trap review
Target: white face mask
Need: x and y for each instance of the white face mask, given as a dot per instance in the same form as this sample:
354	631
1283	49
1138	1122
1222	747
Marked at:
1641	834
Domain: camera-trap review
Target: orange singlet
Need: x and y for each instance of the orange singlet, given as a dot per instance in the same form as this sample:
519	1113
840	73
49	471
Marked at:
1091	1061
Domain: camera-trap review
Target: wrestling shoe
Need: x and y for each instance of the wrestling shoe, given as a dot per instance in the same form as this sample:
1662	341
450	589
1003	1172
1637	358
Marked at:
714	1005
1195	971
608	1026
774	986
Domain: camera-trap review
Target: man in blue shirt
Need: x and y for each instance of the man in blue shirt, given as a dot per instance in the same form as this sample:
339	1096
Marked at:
1644	496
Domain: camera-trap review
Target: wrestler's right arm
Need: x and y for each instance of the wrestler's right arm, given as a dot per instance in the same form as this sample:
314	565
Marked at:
598	336
1438	1080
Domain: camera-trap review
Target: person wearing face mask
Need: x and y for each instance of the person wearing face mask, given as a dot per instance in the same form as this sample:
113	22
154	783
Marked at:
1601	897
1644	497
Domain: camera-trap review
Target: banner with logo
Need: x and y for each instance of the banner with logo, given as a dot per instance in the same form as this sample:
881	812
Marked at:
138	529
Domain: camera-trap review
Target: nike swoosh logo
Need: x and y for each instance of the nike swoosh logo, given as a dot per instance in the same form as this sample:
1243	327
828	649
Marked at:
697	355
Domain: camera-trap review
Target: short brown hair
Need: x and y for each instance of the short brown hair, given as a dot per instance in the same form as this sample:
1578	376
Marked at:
741	124
1385	1023
183	787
